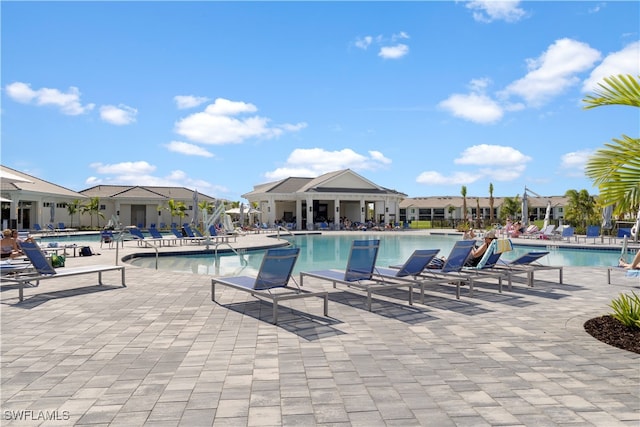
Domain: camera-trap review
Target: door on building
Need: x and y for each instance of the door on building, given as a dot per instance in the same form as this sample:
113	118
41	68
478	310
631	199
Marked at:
139	215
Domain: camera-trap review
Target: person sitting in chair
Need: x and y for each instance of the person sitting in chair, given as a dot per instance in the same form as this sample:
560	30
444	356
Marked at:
478	253
634	265
9	246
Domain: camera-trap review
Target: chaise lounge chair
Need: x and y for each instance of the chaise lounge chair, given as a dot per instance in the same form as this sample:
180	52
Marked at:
528	264
623	256
451	271
42	270
275	273
360	271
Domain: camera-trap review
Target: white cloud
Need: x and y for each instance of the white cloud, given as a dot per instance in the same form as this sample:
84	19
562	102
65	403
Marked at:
474	107
140	167
495	155
393	52
554	71
141	173
388	46
120	115
312	162
436	178
499	163
189	101
573	163
216	124
188	149
68	103
364	42
624	61
492	10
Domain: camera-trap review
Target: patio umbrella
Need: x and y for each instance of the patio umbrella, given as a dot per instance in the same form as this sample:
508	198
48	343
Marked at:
2	199
607	213
11	177
547	215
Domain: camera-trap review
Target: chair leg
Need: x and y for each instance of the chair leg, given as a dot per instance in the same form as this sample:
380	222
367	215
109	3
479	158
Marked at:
275	311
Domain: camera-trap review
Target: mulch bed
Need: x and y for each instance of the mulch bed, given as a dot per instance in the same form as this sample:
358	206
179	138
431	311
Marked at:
611	331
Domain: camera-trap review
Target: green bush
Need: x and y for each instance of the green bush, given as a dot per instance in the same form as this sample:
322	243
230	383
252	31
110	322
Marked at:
626	309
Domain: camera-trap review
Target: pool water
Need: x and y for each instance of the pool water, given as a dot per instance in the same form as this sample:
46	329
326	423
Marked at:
319	252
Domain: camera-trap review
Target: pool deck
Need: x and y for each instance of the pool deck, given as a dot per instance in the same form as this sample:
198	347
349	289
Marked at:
160	353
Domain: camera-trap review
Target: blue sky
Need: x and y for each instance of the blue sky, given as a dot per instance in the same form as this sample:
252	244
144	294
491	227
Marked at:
420	97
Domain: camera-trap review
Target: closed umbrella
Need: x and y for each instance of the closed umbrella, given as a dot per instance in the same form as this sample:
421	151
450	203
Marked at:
525	210
241	214
607	214
547	215
194	220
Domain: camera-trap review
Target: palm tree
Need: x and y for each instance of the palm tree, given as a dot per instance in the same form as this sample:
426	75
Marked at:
176	209
92	208
72	209
580	208
615	169
510	207
491	203
463	191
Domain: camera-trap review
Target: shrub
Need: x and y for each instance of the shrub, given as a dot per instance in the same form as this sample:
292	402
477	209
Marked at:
626	309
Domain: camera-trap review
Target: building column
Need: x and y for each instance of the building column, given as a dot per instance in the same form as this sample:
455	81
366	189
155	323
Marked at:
309	214
298	214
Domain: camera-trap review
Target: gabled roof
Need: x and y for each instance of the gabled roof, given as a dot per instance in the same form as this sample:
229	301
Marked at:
341	181
141	192
38	185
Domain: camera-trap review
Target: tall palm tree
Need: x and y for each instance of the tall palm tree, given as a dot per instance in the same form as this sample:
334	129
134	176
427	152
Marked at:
491	203
615	169
463	191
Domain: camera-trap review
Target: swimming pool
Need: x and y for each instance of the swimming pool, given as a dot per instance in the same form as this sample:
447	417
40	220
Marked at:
318	252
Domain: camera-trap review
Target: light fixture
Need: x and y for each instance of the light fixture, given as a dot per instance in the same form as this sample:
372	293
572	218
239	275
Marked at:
362	209
386	209
337	208
310	208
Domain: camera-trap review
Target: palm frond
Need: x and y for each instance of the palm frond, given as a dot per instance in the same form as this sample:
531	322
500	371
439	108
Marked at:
617	90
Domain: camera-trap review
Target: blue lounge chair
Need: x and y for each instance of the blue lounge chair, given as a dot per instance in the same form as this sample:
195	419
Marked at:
42	270
451	271
273	276
157	236
360	272
485	267
106	236
593	232
528	264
